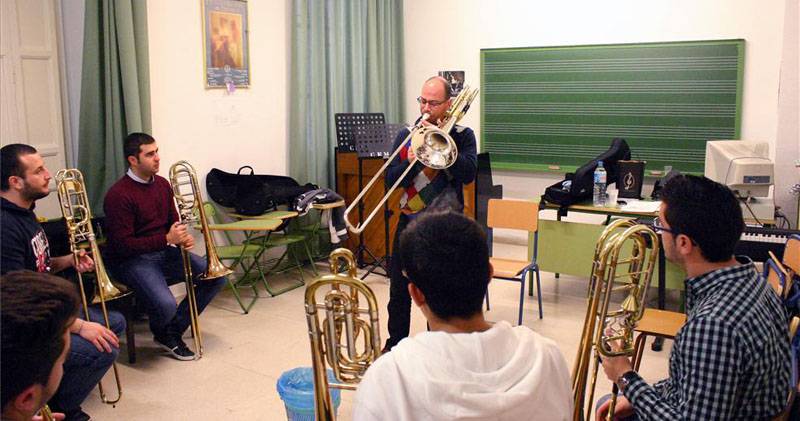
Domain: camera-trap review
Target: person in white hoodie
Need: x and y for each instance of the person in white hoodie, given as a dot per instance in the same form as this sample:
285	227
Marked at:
464	368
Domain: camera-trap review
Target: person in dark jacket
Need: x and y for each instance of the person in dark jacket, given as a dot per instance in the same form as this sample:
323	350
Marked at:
425	189
24	245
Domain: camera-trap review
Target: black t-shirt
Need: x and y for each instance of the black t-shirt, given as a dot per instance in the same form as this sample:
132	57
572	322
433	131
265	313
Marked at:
23	243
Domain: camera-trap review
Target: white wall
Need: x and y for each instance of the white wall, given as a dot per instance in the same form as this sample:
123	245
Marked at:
476	24
205	126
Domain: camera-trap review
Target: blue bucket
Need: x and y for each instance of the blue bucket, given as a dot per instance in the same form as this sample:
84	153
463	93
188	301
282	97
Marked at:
296	389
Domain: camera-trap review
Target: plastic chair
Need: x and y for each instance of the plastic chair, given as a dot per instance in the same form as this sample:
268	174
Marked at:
519	215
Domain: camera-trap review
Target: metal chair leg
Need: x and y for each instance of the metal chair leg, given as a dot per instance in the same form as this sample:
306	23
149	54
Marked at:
538	291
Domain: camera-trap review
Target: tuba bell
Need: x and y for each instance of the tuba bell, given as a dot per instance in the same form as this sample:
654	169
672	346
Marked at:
189	202
343	340
608	331
432	146
74	204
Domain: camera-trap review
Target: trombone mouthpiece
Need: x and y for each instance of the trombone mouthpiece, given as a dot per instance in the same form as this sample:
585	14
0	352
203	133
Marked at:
424	117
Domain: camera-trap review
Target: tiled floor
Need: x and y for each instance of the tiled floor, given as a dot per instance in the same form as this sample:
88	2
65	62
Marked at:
245	354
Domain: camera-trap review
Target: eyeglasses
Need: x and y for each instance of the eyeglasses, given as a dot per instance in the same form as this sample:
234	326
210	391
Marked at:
658	226
423	101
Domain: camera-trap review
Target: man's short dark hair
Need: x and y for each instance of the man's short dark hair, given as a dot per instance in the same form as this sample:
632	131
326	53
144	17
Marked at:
10	164
445	255
133	142
36	310
705	211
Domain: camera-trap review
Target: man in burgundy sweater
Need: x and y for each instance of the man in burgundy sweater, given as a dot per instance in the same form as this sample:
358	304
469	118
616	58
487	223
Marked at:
144	236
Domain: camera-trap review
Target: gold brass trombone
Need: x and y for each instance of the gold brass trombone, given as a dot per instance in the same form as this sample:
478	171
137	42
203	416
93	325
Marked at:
74	204
432	146
46	413
347	342
189	202
609	332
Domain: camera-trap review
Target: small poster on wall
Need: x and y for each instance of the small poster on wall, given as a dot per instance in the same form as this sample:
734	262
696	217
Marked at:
225	44
456	79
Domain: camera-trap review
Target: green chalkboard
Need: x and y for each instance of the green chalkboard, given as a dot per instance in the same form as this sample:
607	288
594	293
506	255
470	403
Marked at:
555	108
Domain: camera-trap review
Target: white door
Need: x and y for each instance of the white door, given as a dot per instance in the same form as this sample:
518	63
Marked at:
30	92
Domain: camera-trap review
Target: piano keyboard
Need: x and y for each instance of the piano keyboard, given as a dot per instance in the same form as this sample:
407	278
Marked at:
757	242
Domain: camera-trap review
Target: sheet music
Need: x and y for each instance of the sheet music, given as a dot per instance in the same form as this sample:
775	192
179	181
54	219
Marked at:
634	205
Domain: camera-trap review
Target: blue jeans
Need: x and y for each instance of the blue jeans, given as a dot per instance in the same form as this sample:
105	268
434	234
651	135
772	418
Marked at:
85	365
150	276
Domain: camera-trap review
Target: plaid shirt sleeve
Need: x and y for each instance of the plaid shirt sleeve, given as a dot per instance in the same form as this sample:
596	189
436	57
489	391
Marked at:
705	371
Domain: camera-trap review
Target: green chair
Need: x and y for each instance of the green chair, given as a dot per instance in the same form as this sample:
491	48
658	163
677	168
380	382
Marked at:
245	255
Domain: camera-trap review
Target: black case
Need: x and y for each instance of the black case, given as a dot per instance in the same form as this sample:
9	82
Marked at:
582	181
252	194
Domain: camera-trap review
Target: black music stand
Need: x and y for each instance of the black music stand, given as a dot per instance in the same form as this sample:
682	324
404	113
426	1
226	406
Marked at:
347	126
373	142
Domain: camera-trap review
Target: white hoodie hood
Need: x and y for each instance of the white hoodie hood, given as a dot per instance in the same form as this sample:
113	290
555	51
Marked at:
504	373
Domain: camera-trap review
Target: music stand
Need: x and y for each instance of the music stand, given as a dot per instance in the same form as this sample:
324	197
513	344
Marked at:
347	125
372	142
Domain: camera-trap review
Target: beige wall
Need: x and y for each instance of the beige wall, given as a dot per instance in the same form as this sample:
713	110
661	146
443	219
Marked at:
211	129
476	24
205	126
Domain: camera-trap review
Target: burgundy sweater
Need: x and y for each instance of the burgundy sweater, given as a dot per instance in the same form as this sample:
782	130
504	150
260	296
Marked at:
138	217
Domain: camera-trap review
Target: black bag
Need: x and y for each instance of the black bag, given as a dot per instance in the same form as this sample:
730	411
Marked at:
578	187
252	194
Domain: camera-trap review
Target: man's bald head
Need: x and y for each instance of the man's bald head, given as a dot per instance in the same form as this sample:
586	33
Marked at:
448	92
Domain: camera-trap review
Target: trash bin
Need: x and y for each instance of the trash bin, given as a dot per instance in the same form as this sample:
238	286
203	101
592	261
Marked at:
296	389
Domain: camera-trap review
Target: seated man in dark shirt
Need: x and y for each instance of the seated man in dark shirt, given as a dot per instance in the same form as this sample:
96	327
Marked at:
144	236
38	310
731	360
24	245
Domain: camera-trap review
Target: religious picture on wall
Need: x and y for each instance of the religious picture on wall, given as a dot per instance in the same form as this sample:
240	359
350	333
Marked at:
456	79
227	59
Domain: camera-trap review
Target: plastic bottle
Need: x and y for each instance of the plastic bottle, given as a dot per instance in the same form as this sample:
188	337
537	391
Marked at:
599	192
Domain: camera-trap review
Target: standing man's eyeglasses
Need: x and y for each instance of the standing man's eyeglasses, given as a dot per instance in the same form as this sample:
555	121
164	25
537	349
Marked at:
658	227
423	101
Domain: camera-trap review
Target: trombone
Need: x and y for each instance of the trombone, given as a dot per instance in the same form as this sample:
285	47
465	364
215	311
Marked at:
432	146
74	204
609	332
190	210
336	340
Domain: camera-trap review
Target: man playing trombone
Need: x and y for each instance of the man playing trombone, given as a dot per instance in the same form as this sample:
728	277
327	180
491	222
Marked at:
144	236
425	188
24	245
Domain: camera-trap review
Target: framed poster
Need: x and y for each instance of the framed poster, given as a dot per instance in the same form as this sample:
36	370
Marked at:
456	79
225	45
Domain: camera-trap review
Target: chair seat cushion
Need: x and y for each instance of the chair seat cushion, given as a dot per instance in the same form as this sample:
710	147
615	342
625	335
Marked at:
507	268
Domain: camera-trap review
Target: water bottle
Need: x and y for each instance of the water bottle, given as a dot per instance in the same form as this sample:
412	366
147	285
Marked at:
599	193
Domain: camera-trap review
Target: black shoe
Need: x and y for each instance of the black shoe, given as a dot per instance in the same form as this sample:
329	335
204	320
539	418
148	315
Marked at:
77	415
73	415
176	347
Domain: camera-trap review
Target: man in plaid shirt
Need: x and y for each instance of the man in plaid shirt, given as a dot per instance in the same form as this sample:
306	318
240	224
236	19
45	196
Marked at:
731	359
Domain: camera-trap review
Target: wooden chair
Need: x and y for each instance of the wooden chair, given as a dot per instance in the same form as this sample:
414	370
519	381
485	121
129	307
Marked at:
659	323
519	215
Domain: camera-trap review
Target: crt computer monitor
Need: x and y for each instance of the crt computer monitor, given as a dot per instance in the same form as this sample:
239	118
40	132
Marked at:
743	166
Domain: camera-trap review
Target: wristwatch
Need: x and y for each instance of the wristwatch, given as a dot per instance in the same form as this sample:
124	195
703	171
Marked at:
626	378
